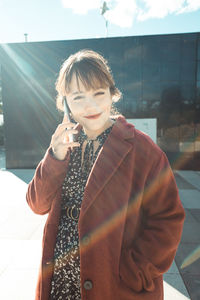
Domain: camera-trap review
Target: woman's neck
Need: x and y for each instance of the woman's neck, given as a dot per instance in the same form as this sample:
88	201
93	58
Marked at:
93	134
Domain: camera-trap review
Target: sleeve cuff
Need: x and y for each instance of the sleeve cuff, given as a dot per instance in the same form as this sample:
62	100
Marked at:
53	164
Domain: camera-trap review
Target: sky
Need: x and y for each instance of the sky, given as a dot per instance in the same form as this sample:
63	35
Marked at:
47	20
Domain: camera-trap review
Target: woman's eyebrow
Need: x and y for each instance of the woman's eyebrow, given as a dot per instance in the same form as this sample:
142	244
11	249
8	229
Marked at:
100	88
80	92
75	93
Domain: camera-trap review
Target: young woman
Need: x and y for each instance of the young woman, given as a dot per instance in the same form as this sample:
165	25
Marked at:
115	217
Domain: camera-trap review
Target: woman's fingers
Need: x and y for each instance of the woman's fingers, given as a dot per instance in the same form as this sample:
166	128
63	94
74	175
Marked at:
64	135
60	149
63	130
70	144
61	141
65	119
64	126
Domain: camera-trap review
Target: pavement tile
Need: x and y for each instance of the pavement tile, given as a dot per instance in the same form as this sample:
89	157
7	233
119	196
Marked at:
193	285
20	254
18	230
182	183
2	268
18	222
18	284
3	215
190	198
24	174
189	217
19	268
196	214
2	158
186	251
177	289
191	233
191	177
173	269
38	232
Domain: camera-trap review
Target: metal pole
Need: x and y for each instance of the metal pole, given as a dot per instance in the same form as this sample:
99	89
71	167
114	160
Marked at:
26	37
104	8
106	28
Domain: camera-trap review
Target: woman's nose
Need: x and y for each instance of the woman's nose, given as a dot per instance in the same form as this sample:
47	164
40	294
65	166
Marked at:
90	103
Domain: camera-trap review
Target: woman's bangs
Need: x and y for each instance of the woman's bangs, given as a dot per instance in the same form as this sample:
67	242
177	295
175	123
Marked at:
92	79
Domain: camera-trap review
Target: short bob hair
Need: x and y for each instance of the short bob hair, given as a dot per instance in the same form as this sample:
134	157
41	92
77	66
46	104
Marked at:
91	69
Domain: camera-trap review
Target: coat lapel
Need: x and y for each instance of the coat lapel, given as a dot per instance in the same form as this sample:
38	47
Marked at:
113	152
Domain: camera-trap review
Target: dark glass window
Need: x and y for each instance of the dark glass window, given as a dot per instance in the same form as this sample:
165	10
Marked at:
151	91
198	70
187	136
132	50
187	92
171	99
132	72
170	71
171	49
132	95
188	70
198	93
151	50
133	88
188	48
188	104
130	106
169	139
132	60
151	71
198	49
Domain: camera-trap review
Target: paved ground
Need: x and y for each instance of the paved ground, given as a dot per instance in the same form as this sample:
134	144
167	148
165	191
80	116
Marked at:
21	233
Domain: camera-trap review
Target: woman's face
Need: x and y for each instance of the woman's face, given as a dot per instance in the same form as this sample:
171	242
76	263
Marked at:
90	108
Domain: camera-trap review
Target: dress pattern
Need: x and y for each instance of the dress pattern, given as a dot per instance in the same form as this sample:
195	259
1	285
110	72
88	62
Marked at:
66	277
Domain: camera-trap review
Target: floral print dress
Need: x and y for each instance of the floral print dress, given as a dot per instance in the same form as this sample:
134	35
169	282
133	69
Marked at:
66	278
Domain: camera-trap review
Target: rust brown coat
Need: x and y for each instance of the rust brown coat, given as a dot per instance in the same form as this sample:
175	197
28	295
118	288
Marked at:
130	222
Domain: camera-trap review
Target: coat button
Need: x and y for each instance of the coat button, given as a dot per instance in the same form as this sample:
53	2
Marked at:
88	285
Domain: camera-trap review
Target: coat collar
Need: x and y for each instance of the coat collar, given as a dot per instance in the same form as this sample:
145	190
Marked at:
113	152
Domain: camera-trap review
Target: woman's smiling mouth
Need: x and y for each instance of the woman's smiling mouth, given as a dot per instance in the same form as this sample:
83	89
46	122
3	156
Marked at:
93	116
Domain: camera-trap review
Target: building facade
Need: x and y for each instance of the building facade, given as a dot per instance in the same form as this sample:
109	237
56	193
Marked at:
158	75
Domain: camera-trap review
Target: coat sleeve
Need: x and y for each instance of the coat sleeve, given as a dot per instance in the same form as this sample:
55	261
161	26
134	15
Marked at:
153	251
48	178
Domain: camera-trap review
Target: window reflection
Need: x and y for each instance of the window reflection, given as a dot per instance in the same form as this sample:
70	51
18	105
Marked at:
170	71
188	70
151	71
188	48
151	50
198	70
198	49
171	48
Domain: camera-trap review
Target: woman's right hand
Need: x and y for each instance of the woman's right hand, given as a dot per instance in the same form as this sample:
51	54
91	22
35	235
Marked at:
60	139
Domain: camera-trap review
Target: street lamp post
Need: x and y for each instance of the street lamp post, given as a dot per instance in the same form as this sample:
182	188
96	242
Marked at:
104	9
26	37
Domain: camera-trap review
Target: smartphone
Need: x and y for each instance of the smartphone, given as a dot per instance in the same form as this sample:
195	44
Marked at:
67	113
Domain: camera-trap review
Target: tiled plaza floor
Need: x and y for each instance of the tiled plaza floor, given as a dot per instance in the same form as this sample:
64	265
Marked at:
21	233
189	248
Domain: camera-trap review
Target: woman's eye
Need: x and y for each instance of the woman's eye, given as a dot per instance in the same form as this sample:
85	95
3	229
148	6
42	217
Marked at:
99	93
78	98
